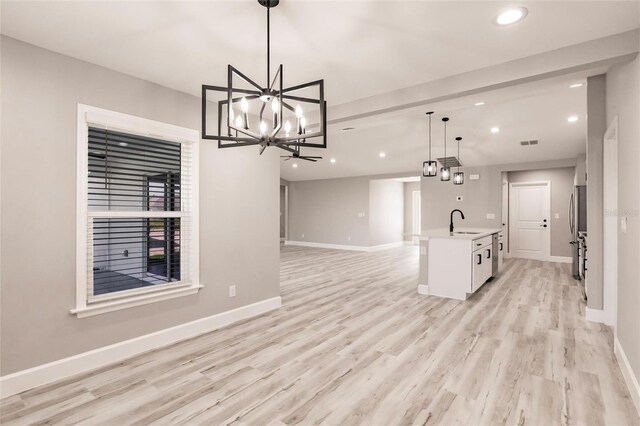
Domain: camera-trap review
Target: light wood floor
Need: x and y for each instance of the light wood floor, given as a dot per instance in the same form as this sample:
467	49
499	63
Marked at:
355	344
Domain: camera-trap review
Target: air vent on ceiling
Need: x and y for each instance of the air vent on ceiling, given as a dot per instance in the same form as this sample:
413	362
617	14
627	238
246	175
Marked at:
449	161
531	142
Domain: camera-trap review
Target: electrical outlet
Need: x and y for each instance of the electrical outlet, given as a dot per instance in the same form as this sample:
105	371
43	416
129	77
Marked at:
232	291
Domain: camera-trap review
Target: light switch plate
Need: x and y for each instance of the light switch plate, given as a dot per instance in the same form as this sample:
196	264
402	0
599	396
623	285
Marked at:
474	176
491	215
623	224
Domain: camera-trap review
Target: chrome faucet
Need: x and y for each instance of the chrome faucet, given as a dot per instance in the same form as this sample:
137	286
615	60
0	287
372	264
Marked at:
451	222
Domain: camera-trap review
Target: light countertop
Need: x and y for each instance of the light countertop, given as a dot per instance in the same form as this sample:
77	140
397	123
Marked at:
459	233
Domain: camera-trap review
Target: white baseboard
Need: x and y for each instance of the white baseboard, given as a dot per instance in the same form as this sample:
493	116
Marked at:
344	247
595	315
20	381
386	246
423	289
561	259
627	373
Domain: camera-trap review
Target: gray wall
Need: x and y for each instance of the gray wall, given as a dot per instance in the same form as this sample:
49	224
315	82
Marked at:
40	91
386	211
561	189
326	211
623	99
409	187
596	127
581	170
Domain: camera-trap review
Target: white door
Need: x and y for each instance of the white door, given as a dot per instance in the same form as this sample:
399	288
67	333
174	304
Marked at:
415	225
529	224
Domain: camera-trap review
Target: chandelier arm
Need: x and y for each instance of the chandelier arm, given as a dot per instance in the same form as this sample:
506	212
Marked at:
285	148
301	99
225	88
246	79
302	86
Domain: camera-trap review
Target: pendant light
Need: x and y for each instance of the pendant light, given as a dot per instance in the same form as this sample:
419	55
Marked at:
458	176
271	104
445	172
430	168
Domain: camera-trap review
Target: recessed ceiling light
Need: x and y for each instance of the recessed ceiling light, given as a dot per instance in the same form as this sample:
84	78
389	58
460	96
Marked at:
495	129
512	16
479	103
123	144
573	86
333	160
294	165
572	119
382	155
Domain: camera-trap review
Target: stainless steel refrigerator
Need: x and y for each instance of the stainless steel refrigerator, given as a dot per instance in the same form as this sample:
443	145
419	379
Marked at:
577	223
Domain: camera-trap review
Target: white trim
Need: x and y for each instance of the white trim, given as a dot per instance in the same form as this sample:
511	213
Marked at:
386	246
423	289
594	315
98	117
41	375
98	308
561	259
345	247
627	373
610	224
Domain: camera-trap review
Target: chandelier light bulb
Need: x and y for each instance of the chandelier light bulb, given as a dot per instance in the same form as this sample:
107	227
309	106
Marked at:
244	105
238	121
263	128
299	112
303	123
287	128
275	105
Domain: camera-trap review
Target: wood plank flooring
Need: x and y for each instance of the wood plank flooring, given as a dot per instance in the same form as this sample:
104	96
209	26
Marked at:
355	344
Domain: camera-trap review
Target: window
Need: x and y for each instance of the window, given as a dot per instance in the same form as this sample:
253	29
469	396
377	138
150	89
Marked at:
137	239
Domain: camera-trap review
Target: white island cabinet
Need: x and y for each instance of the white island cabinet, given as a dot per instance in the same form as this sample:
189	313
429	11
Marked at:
459	263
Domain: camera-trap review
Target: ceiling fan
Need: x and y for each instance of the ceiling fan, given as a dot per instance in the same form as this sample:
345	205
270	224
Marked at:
295	153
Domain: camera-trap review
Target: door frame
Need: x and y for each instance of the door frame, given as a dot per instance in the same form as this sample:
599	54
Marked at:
547	251
416	218
610	224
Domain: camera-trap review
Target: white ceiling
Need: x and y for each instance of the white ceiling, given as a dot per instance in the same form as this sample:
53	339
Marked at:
537	110
360	48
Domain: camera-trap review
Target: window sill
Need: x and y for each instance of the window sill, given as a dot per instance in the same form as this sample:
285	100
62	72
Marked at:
130	302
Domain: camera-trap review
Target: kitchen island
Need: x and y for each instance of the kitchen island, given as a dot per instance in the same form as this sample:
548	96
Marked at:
458	263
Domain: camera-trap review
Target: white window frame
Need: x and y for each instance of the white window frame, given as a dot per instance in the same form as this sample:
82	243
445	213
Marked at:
87	305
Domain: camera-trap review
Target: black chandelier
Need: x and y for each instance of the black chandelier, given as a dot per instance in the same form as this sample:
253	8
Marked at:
445	171
429	167
295	115
458	176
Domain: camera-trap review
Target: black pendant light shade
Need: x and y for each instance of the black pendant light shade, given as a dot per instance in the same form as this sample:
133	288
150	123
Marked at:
429	167
445	172
458	176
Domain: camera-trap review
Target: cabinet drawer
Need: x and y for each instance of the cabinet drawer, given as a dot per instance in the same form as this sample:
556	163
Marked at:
482	242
